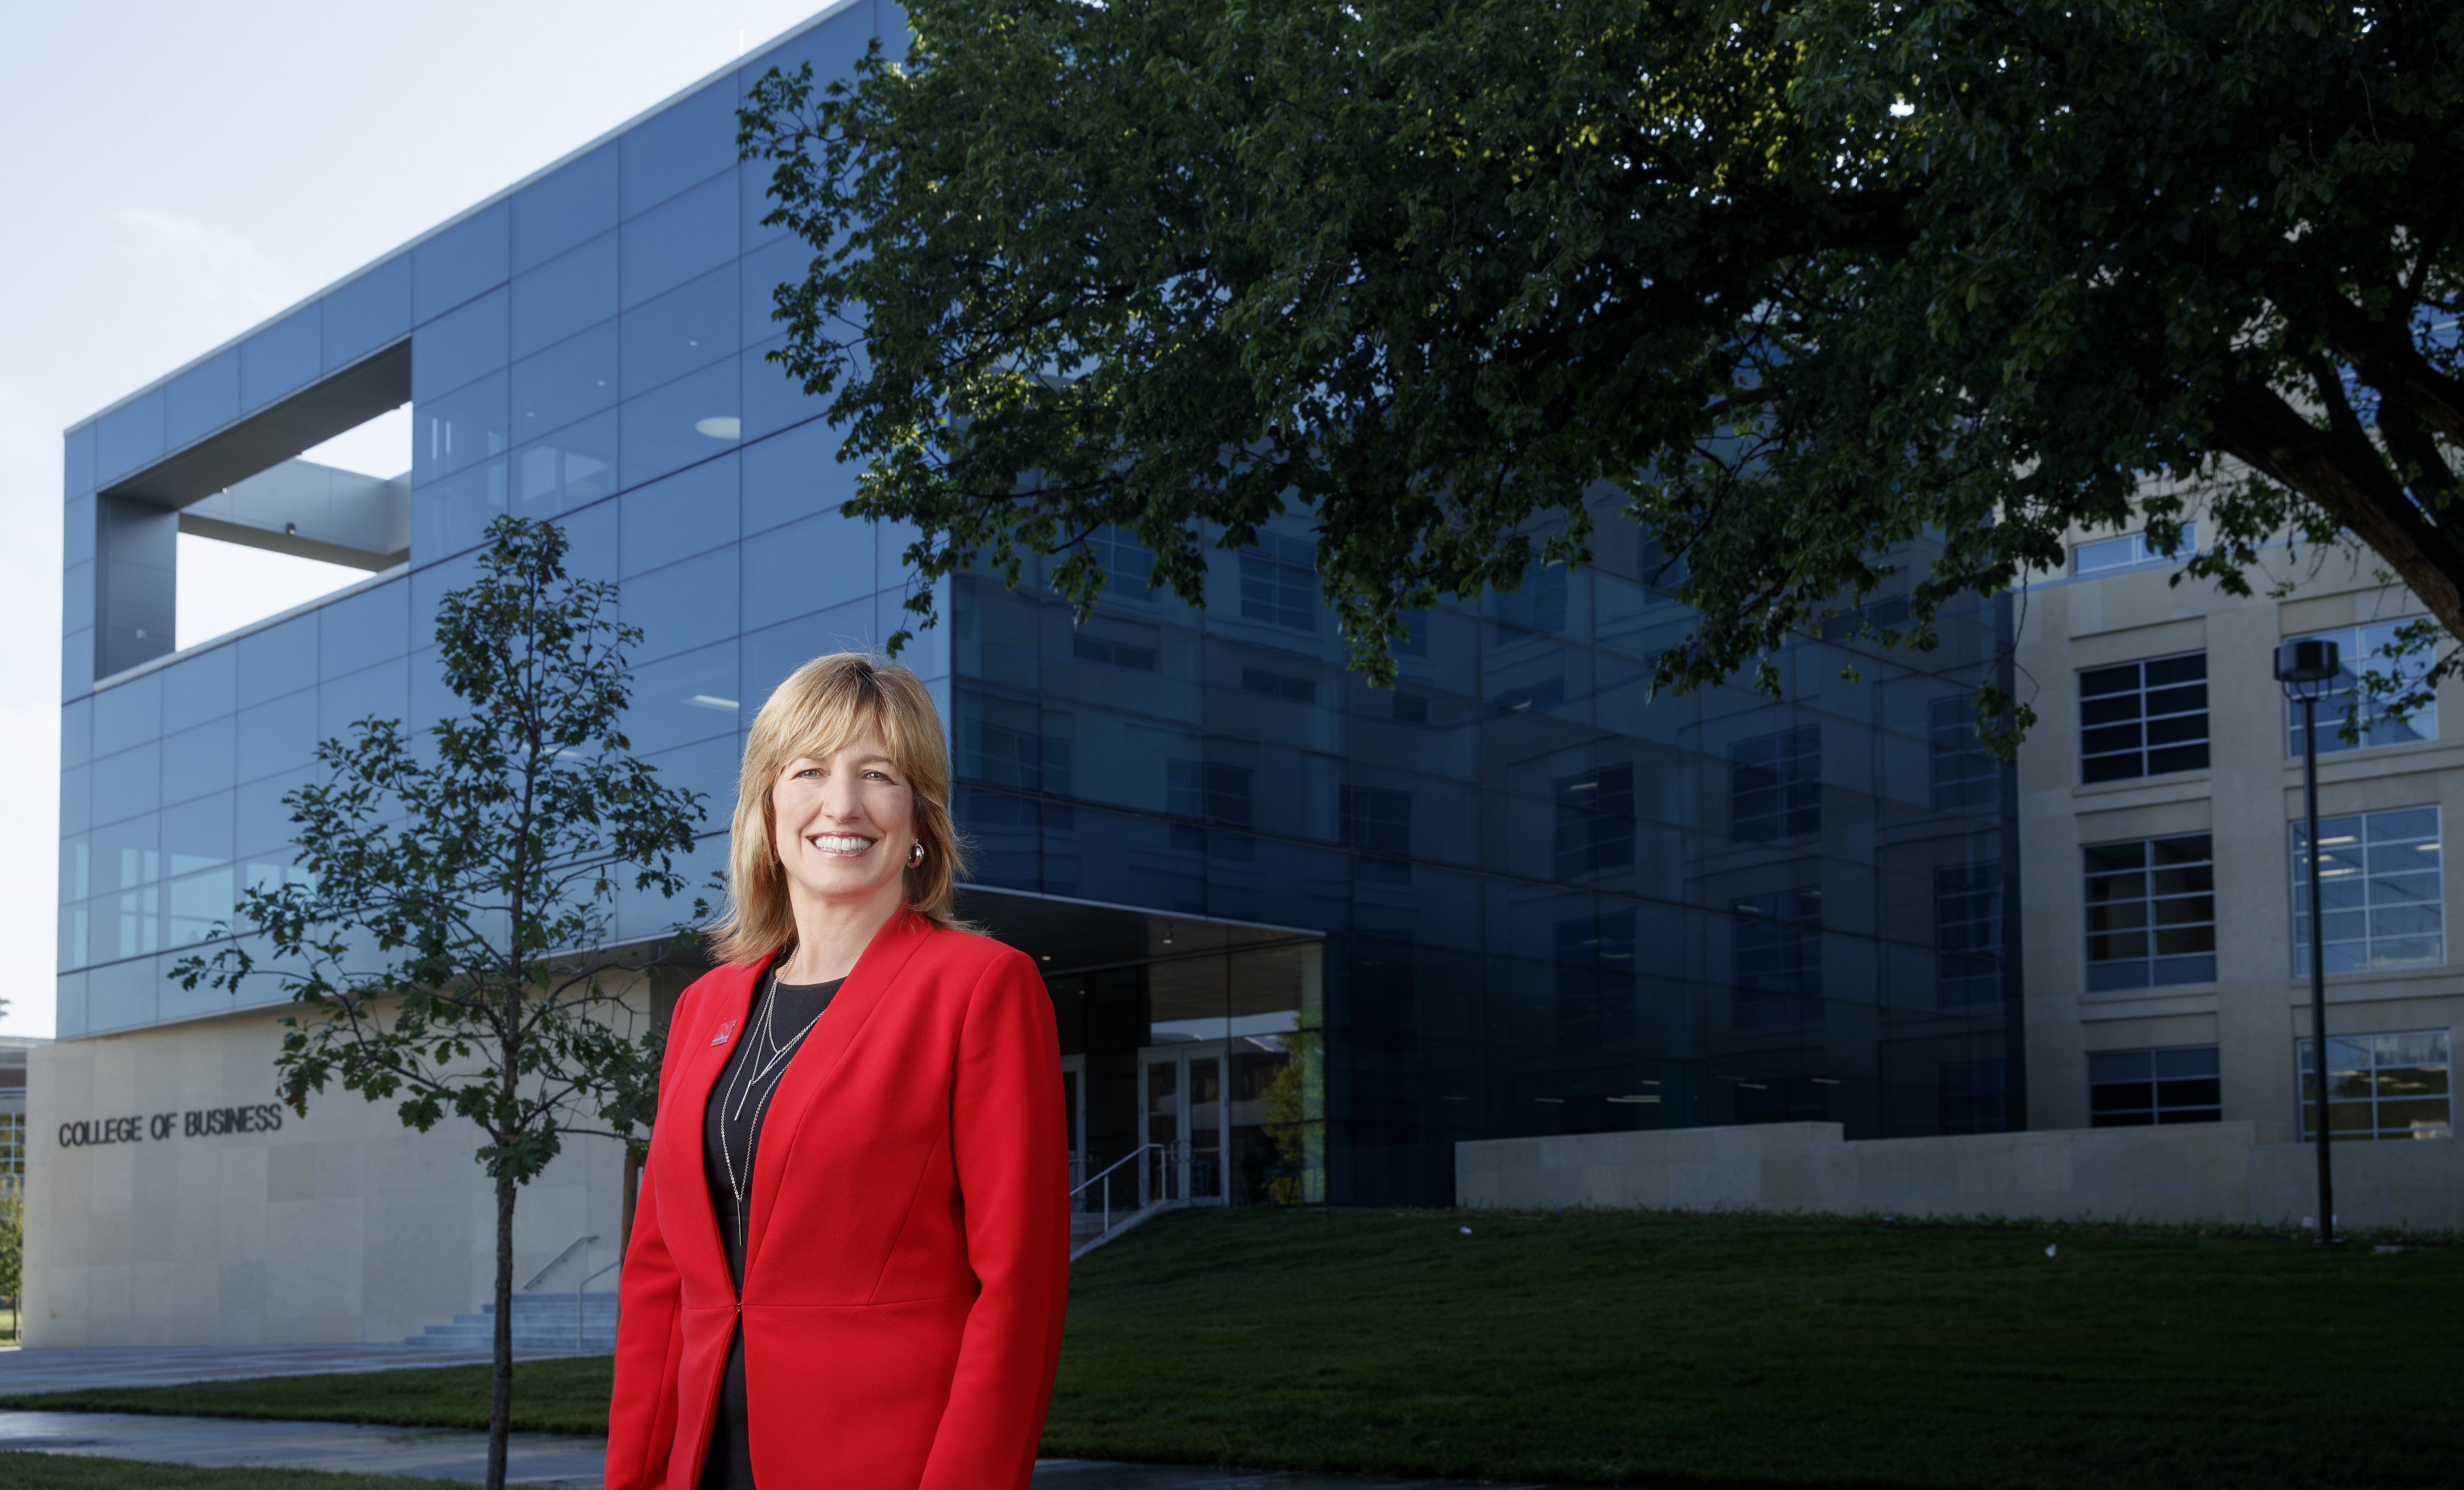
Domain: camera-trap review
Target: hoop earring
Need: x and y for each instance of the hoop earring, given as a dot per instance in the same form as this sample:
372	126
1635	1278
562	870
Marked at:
915	856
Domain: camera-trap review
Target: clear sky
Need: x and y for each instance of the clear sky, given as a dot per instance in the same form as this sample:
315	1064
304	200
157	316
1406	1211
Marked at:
170	175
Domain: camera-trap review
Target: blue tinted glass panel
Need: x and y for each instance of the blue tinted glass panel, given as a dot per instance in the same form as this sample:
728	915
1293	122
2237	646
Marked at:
466	259
127	439
688	512
685	238
567	382
773	651
428	587
462	506
277	660
77	810
693	139
365	629
120	995
382	691
459	430
431	698
128	784
368	312
202	399
571	468
774	401
76	536
821	562
77	664
555	299
833	47
128	714
683	606
452	350
77	595
198	836
128	853
285	356
782	262
199	689
77	732
556	212
682	698
592	534
681	330
280	736
709	768
690	420
199	761
794	476
77	467
263	826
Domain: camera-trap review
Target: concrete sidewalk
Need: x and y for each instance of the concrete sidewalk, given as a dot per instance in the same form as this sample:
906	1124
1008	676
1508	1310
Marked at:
164	1366
554	1460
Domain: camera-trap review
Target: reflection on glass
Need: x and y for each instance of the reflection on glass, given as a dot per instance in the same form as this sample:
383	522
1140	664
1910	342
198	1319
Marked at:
1163	1130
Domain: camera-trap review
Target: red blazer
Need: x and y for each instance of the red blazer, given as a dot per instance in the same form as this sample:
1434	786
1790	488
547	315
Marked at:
906	1255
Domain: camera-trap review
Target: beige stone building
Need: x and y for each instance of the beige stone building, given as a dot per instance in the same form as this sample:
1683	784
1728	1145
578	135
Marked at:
2160	800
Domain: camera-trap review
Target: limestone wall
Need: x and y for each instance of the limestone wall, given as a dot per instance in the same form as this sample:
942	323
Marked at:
339	1227
2237	1172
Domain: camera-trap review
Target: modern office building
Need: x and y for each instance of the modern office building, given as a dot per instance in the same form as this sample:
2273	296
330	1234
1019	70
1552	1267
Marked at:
1303	934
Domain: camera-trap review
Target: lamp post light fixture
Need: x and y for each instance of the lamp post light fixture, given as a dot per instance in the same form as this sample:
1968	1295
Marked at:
2309	670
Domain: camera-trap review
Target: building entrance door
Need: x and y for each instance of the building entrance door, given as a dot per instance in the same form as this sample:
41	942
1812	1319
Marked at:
1205	1112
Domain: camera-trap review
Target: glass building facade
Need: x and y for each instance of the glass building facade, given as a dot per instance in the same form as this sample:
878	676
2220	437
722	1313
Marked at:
1303	934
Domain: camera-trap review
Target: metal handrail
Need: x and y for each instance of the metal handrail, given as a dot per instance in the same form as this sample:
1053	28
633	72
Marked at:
1105	1176
570	1248
577	1299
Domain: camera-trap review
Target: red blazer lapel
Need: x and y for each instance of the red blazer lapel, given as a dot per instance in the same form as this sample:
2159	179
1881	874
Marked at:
866	989
718	1023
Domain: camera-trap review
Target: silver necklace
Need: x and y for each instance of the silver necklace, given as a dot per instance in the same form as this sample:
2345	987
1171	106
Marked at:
750	1082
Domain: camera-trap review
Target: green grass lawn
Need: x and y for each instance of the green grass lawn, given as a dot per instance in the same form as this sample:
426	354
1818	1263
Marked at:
1681	1351
563	1395
70	1472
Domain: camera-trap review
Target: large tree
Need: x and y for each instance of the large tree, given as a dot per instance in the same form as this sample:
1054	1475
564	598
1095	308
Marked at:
451	937
1805	282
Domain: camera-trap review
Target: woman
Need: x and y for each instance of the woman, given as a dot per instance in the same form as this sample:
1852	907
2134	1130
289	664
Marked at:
852	1250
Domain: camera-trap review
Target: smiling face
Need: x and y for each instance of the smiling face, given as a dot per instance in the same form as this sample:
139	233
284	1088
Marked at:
843	824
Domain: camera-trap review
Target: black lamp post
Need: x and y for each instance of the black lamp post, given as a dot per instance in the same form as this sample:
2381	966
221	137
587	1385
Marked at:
2307	670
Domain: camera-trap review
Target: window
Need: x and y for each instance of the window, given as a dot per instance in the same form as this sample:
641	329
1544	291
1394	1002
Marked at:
1278	685
2151	913
1968	935
1127	564
1595	980
2379	1086
1967	778
2131	551
2364	649
1378	820
1972	1096
1117	644
1279	582
1213	793
2136	1088
1594	821
1543	696
1775	786
1538	606
1410	708
1784	1099
1775	949
13	1150
2379	891
2144	719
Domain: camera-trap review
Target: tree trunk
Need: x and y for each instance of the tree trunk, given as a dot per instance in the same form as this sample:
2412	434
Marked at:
500	1406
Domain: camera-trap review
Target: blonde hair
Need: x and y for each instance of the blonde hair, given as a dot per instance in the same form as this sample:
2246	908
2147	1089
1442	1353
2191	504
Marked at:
821	707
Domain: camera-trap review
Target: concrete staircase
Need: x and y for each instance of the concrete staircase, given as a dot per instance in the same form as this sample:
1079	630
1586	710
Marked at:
544	1323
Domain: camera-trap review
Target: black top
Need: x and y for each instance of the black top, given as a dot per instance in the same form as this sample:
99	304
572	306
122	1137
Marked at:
774	1029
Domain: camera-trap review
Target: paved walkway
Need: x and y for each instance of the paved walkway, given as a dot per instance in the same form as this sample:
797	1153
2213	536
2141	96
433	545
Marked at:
162	1366
555	1459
